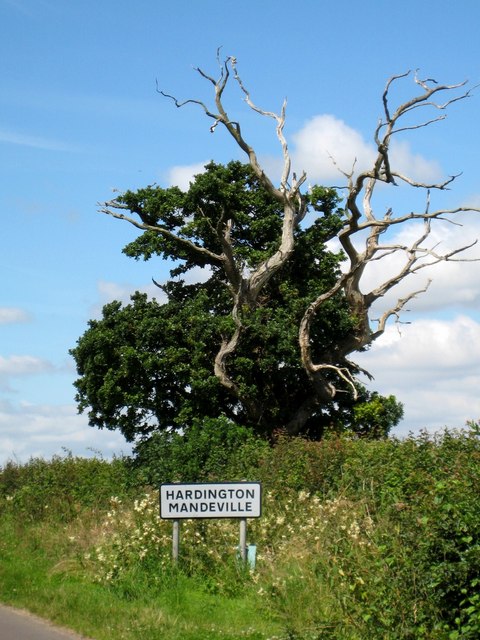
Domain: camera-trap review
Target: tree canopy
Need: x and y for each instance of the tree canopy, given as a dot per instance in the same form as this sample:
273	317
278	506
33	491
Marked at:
148	365
265	338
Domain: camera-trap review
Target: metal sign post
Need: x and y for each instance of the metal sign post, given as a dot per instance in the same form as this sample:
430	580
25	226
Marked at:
243	540
239	500
175	540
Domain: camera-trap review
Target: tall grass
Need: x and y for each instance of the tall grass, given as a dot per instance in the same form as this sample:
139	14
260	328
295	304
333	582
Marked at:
358	540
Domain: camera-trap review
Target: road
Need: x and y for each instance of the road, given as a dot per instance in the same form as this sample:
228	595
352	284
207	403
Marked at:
16	624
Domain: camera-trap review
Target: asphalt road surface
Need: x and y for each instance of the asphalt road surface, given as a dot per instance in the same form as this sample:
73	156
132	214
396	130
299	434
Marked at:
16	624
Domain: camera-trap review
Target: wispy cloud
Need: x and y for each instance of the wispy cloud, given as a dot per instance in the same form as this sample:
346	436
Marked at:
122	291
326	145
430	363
99	105
19	367
182	175
13	315
25	7
23	365
109	291
32	430
37	142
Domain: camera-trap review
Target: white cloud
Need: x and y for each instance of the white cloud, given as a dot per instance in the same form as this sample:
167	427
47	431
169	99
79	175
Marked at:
13	315
413	165
36	142
454	283
109	291
447	346
114	291
197	274
28	430
433	368
182	175
326	146
23	365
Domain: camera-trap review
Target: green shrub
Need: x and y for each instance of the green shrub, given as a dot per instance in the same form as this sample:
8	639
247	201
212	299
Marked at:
308	465
212	449
358	540
429	489
64	485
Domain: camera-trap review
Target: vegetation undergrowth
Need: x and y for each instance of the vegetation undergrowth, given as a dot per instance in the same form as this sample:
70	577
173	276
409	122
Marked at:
358	540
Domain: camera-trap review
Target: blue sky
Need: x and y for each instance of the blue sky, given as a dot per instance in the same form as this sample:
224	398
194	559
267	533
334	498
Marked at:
80	116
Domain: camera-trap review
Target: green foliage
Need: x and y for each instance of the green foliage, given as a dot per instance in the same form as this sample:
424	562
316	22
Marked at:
359	539
210	450
429	487
299	464
63	486
384	541
147	368
375	417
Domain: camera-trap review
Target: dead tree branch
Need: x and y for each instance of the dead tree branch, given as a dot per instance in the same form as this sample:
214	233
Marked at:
330	372
360	217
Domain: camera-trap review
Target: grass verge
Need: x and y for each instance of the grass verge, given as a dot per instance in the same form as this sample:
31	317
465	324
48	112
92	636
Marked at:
358	540
41	573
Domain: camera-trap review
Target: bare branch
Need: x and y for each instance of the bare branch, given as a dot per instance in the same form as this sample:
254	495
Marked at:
363	237
385	224
157	229
360	217
390	81
342	372
395	311
441	186
247	289
280	120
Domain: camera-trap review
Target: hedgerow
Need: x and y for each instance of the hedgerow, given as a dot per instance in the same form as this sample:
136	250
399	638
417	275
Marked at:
357	539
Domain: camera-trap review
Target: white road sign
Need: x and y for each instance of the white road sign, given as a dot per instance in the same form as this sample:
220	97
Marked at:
211	500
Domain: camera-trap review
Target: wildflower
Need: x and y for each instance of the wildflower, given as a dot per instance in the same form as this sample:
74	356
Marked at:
354	530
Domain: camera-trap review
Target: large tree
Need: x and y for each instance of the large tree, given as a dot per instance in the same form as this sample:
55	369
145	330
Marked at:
148	366
267	339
